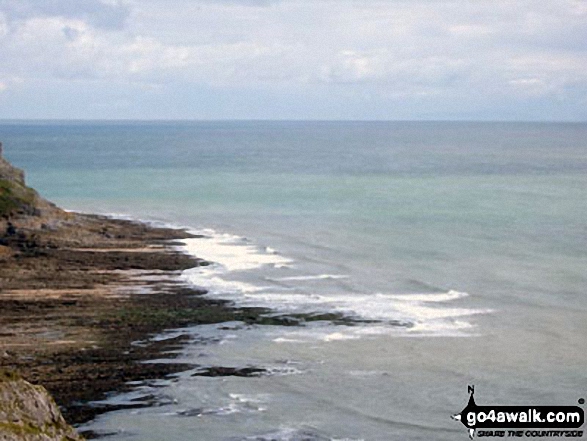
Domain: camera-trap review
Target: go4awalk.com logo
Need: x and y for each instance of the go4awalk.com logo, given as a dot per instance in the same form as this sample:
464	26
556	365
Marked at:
521	421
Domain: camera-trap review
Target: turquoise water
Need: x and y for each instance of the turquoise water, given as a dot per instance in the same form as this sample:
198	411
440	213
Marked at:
482	224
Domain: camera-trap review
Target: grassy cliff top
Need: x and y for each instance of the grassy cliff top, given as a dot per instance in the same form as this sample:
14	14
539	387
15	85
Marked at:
15	199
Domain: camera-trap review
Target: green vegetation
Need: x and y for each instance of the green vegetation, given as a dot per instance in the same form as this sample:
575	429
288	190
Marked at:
26	429
8	375
130	317
22	429
15	198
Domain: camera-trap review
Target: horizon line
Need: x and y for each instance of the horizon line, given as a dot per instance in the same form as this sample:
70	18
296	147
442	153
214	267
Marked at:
202	120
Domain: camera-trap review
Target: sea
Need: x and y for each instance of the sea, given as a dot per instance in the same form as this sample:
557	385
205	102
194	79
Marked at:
457	252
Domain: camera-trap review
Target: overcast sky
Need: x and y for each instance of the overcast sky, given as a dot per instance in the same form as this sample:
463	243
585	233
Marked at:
294	59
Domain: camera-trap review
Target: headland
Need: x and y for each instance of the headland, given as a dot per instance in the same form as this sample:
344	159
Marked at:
78	291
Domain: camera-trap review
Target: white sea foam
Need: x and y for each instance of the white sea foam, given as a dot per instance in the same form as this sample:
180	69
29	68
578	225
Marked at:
334	336
228	405
433	297
209	278
233	253
283	371
244	398
312	277
383	307
401	314
287	340
294	434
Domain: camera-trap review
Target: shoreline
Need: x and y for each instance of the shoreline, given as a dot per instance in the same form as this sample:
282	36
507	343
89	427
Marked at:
74	299
77	296
84	296
70	314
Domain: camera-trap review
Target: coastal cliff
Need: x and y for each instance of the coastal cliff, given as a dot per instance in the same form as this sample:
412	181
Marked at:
69	312
78	291
18	200
29	413
15	197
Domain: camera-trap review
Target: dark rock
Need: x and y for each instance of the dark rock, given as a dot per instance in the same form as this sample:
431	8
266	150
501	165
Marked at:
219	371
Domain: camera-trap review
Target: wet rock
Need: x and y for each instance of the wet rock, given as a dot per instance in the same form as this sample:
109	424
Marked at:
219	371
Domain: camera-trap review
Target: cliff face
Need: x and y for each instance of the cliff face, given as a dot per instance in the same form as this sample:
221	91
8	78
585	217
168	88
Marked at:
15	196
16	199
28	413
74	277
10	173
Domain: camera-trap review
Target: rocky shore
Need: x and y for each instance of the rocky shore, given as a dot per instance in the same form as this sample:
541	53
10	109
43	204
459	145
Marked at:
78	292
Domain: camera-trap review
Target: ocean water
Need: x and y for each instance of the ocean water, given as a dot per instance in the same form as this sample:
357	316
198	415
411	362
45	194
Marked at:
458	249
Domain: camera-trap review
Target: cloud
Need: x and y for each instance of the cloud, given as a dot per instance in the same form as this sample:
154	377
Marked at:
388	52
102	14
186	3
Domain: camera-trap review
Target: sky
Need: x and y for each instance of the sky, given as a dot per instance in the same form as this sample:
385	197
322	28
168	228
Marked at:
520	60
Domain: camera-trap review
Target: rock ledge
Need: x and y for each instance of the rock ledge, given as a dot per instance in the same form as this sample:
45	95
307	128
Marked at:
28	413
